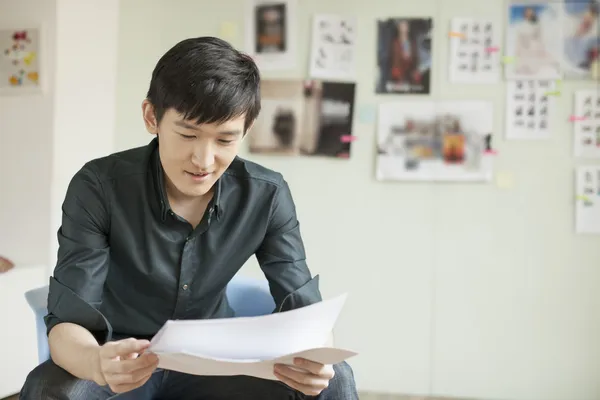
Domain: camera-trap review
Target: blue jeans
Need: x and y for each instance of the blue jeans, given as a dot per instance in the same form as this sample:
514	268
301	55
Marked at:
50	382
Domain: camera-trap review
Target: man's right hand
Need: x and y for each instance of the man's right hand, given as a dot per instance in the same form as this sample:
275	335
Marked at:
123	365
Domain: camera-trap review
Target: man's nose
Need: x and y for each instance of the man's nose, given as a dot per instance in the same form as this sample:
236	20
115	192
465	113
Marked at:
203	156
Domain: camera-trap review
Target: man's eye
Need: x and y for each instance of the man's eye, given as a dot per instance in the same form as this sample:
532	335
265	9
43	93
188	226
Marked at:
225	141
188	137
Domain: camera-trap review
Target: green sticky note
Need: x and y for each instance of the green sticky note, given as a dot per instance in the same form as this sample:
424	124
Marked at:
367	113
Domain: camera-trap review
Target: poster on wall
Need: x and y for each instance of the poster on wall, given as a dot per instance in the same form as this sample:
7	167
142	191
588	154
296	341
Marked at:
312	118
19	60
581	44
586	123
271	34
532	37
529	107
587	198
474	51
333	48
404	55
435	141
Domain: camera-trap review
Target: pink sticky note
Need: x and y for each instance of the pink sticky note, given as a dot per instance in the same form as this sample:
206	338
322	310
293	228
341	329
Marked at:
574	118
348	138
492	49
343	155
491	152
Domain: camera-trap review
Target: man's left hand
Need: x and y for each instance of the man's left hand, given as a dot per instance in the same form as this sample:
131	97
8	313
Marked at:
307	377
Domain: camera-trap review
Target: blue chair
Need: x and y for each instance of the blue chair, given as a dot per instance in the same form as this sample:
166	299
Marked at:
248	297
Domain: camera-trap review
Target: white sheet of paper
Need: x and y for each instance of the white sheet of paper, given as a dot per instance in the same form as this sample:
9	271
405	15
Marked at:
475	57
587	197
201	365
223	346
529	109
333	48
271	33
586	131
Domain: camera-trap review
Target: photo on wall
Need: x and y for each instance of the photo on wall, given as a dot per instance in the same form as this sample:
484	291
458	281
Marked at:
19	59
404	55
586	123
581	44
333	48
532	37
435	141
312	118
473	54
271	33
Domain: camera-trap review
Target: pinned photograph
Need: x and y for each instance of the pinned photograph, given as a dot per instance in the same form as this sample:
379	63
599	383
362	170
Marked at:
20	66
529	106
581	44
312	118
474	51
404	55
531	41
271	33
435	141
587	207
586	123
333	48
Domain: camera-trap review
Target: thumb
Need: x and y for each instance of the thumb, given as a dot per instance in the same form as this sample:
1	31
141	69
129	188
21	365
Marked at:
124	348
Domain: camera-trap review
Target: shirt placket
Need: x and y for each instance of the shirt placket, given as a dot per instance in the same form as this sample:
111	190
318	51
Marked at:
190	261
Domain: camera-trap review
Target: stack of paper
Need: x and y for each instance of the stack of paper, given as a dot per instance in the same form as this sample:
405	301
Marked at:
250	345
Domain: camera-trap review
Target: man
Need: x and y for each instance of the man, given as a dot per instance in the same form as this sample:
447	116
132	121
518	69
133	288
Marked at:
157	232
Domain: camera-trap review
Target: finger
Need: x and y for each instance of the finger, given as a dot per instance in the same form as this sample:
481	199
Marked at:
302	377
315	368
131	365
130	377
127	387
306	389
125	347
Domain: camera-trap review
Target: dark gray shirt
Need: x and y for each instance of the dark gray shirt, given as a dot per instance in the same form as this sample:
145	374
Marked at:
127	263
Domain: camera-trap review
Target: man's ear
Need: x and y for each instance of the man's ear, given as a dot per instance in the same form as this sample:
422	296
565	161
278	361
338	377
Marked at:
149	117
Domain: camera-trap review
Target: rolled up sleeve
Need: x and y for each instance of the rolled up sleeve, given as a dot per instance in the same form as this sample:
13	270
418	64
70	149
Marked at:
75	292
282	256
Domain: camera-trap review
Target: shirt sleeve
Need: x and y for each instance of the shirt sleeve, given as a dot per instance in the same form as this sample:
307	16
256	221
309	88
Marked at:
282	256
75	292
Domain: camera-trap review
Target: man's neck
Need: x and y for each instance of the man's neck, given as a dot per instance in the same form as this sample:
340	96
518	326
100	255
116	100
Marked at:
190	208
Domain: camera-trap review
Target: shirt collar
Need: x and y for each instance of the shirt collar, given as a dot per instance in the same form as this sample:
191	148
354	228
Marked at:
215	205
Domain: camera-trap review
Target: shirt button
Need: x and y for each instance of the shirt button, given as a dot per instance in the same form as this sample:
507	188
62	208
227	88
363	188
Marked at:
185	287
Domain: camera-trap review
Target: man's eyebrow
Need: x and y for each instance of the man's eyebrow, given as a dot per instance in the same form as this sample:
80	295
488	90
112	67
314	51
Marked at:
231	132
186	125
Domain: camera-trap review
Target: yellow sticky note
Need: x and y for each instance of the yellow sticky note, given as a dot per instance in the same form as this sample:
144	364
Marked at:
554	93
228	31
558	84
504	180
583	198
508	60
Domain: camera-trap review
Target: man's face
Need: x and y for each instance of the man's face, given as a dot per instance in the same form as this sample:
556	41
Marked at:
194	156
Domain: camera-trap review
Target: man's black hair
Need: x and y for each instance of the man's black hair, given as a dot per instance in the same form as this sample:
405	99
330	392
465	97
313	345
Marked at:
207	81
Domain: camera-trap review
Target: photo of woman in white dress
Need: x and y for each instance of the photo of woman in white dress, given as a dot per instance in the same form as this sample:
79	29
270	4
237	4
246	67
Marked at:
532	35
